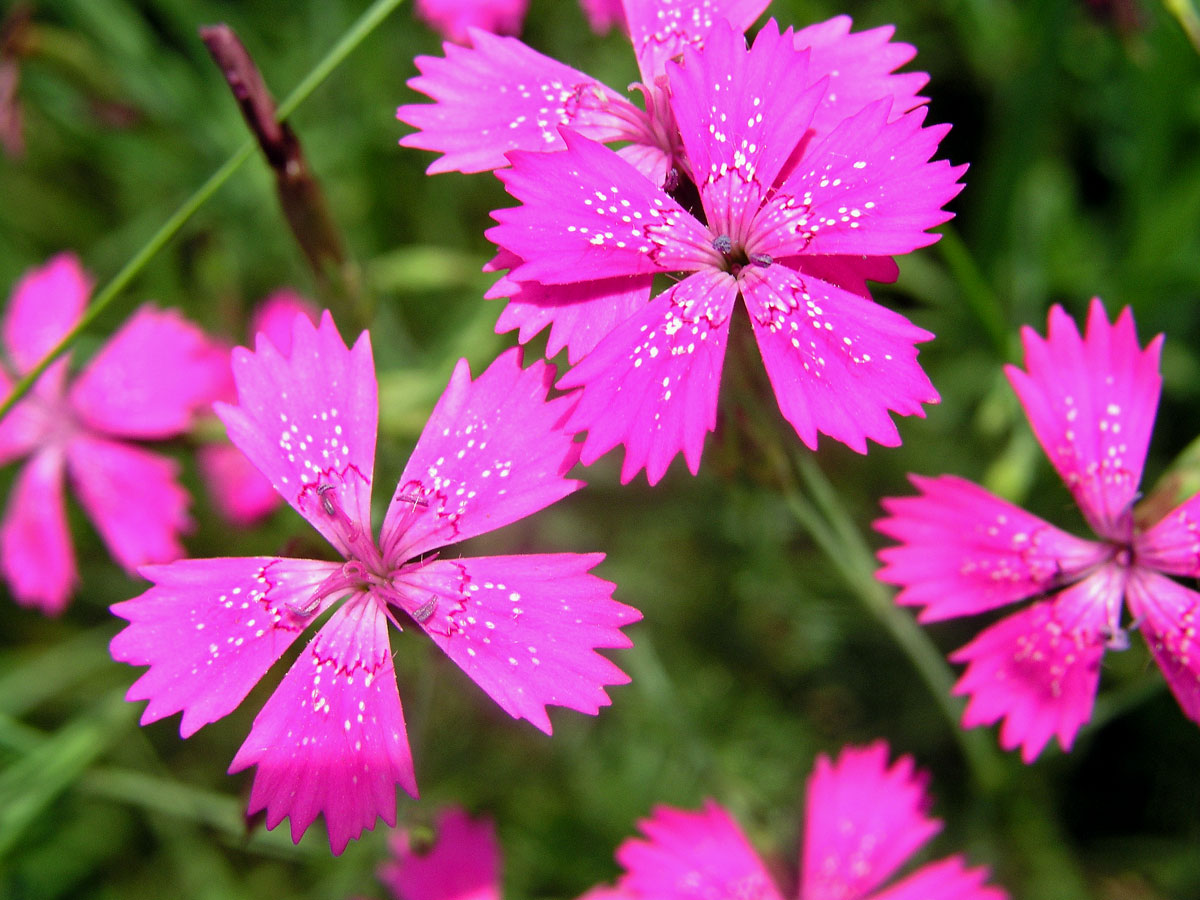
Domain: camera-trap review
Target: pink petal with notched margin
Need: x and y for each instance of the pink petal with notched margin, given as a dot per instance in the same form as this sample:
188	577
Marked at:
692	856
151	378
276	316
35	542
209	629
331	739
454	18
863	820
652	384
1091	403
964	550
868	188
579	315
501	95
493	451
133	497
946	879
46	303
1173	543
241	494
1167	613
524	628
310	419
851	273
839	363
661	29
603	15
1038	669
462	864
589	215
861	67
740	113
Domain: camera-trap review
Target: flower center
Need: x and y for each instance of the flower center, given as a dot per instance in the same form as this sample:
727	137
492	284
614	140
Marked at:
736	257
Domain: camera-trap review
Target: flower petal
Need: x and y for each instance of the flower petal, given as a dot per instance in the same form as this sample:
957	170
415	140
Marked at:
209	629
861	69
602	15
308	421
501	95
241	494
587	214
692	856
454	18
1038	669
839	363
964	551
462	864
1091	403
35	542
652	384
524	628
579	315
661	29
276	316
493	451
863	820
946	879
151	378
1167	614
741	112
46	303
331	739
23	426
867	189
133	497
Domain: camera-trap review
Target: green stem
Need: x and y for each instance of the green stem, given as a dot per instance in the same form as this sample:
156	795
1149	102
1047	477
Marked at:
1185	12
976	291
365	24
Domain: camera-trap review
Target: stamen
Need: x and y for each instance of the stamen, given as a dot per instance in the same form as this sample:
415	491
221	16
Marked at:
326	502
761	259
723	244
426	609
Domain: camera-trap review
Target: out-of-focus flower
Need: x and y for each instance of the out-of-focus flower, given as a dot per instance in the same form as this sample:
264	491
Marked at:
146	383
331	739
1091	402
240	493
463	863
453	19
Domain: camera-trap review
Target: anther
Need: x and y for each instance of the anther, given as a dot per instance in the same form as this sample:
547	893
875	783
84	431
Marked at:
326	502
425	610
305	610
671	180
723	244
414	499
761	259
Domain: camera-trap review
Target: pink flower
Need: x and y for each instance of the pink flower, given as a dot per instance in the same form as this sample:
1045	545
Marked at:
963	551
146	383
791	224
462	864
602	15
331	739
241	494
863	821
500	95
454	18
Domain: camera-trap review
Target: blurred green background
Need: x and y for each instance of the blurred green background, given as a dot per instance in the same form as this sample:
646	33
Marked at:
765	639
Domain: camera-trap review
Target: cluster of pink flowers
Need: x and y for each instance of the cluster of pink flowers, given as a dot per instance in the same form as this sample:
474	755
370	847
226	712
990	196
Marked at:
863	820
455	20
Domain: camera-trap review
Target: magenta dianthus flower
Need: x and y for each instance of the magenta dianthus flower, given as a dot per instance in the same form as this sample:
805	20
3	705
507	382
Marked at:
462	864
863	820
791	223
240	493
331	739
1091	402
146	383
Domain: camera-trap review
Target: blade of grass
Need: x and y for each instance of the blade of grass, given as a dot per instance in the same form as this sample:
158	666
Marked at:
354	36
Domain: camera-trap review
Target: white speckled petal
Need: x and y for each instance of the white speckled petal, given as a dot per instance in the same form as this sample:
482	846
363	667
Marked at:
524	628
839	363
308	421
331	739
209	629
1167	613
587	214
501	95
661	29
652	384
1091	402
493	451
